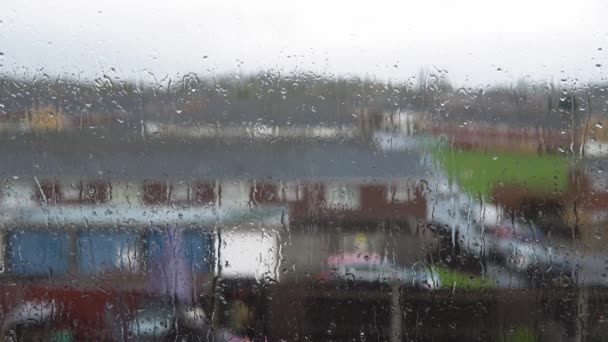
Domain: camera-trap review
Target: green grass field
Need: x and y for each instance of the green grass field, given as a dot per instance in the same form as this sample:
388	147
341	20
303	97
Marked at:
477	172
459	280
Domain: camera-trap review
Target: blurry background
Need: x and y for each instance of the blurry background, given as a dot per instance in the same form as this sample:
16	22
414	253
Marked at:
220	171
477	41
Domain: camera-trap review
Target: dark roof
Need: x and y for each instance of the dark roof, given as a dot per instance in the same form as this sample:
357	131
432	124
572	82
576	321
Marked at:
210	159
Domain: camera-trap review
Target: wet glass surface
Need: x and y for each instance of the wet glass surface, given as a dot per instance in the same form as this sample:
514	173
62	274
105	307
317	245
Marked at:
327	173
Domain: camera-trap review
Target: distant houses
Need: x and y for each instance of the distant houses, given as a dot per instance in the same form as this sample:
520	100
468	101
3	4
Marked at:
44	118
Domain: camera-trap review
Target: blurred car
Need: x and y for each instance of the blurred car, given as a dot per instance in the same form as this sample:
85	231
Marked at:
372	267
485	230
94	314
523	247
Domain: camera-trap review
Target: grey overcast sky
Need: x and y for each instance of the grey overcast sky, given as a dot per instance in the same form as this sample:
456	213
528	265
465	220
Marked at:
476	41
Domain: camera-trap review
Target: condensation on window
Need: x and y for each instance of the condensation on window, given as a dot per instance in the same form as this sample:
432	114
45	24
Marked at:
319	171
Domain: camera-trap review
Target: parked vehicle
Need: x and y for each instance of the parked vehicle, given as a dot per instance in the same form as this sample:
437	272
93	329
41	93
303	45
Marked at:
368	268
